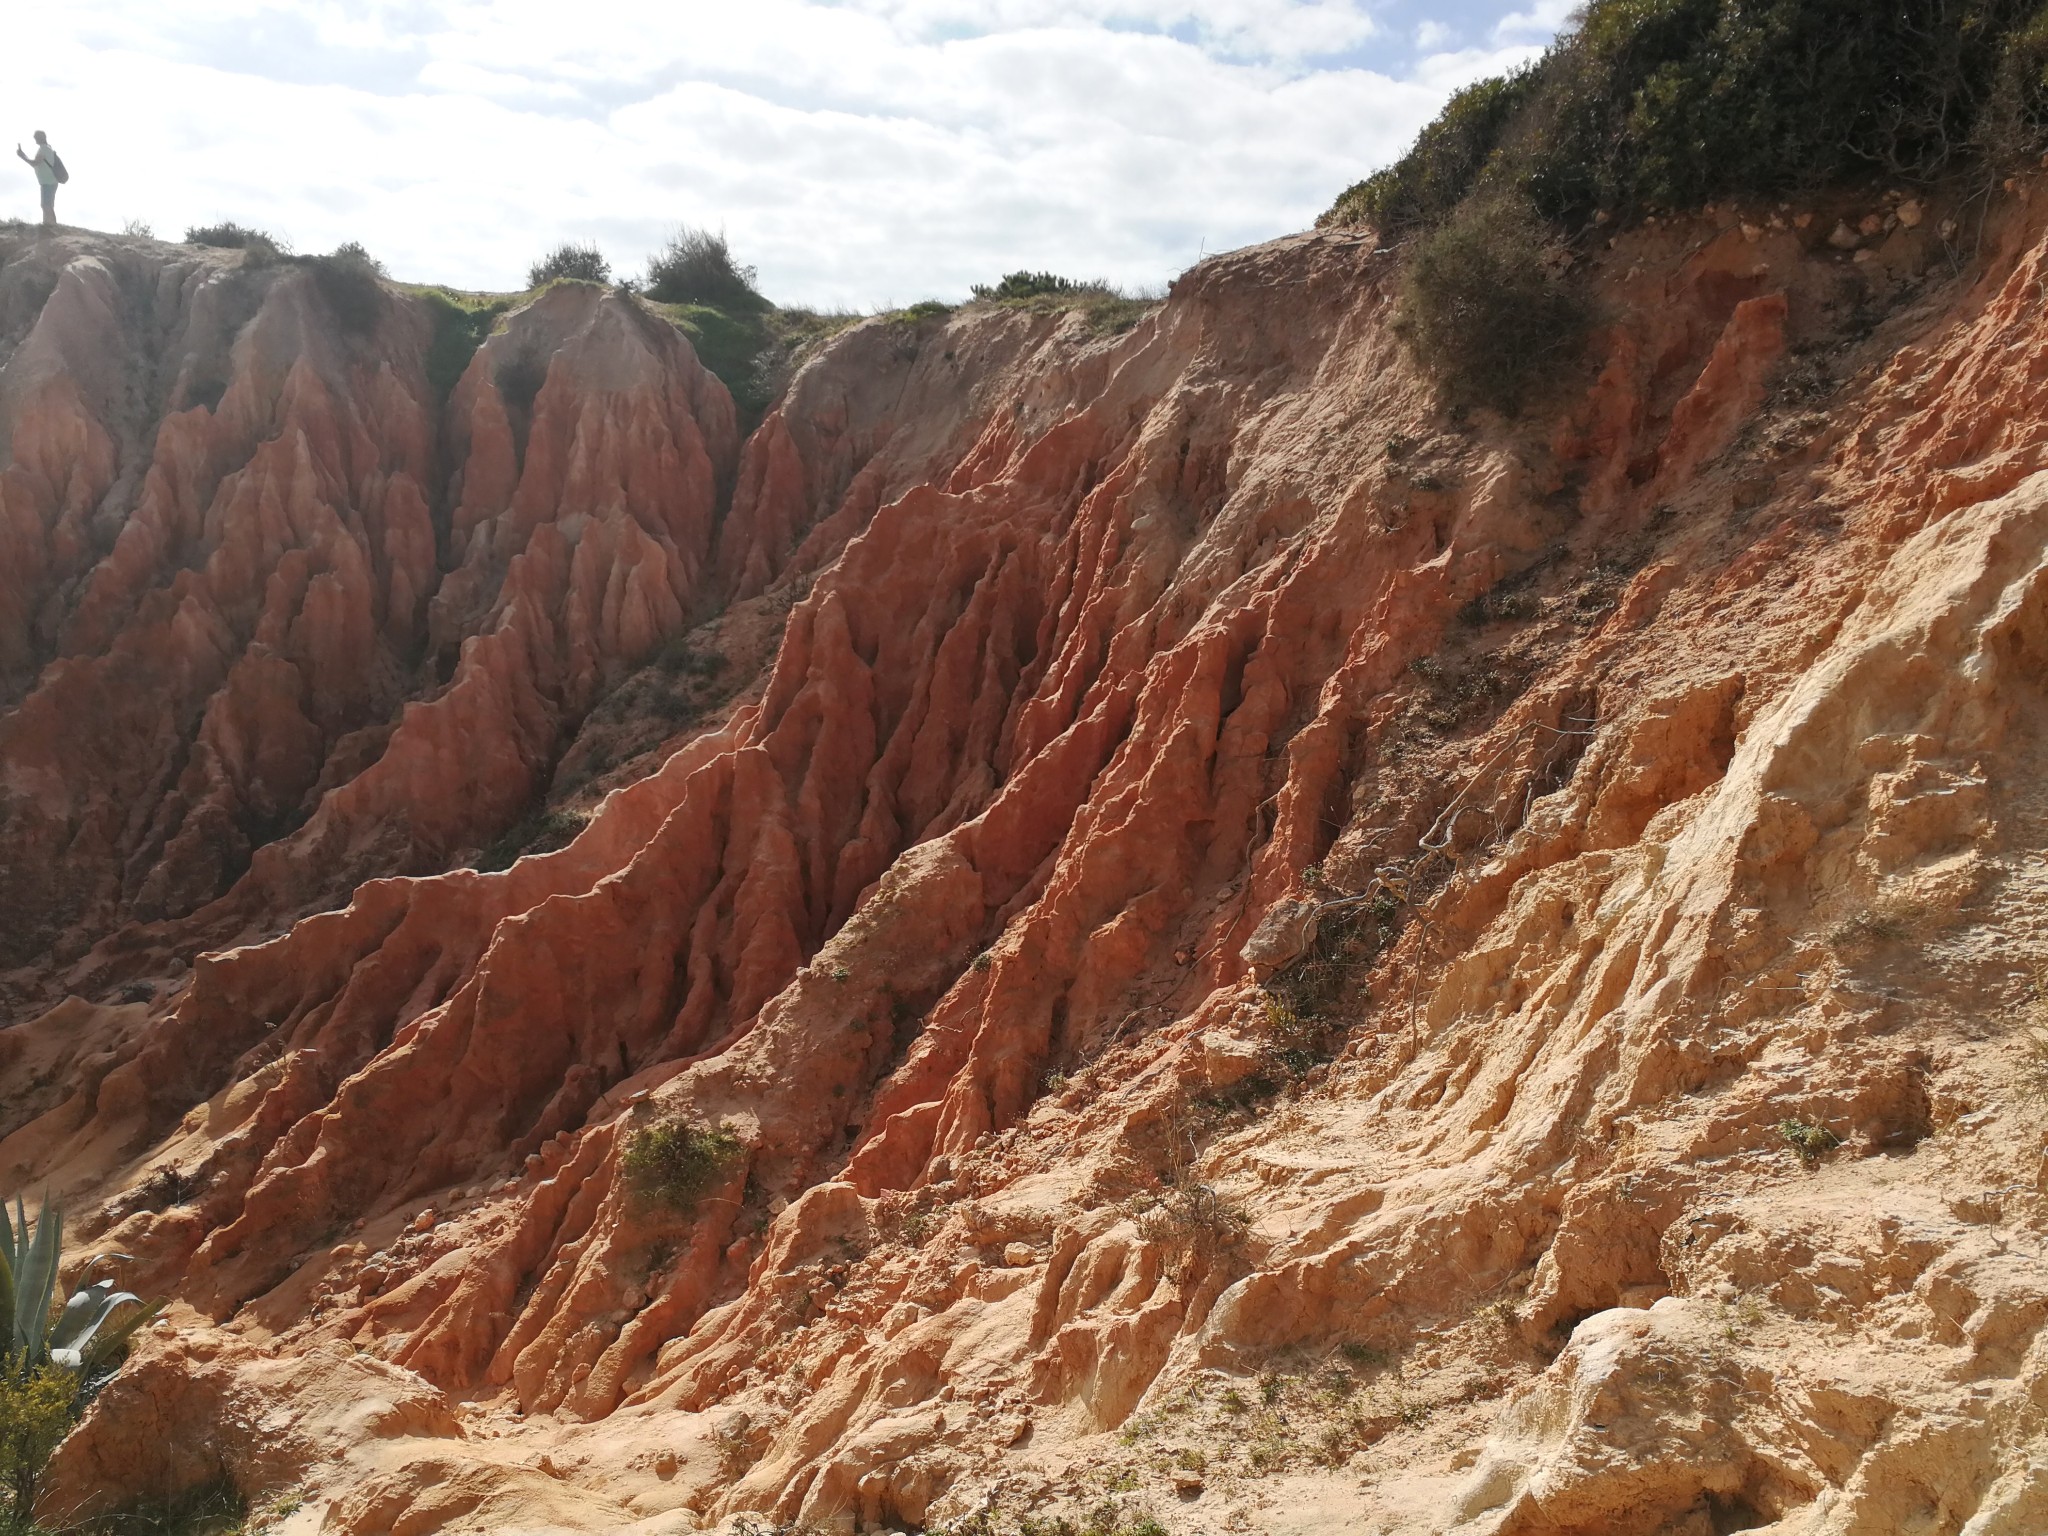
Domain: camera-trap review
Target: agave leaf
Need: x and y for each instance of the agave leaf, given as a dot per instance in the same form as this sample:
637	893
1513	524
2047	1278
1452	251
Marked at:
82	1313
85	1314
110	1336
35	1282
6	1294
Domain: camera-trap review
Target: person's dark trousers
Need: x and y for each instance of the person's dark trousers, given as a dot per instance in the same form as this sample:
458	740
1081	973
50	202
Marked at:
50	207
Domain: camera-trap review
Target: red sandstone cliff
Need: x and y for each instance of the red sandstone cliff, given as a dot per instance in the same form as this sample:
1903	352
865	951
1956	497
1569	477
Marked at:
1661	766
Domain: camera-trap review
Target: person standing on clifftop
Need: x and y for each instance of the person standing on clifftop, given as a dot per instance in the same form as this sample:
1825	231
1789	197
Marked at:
49	171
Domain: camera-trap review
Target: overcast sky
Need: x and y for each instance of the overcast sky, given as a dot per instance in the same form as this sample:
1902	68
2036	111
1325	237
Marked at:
860	152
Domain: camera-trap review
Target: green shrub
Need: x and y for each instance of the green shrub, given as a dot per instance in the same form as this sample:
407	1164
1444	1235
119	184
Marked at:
459	329
1424	185
734	346
52	1359
2014	124
679	657
35	1415
258	249
1112	314
696	267
586	263
355	253
1029	285
226	235
544	831
212	1509
351	281
674	1163
1811	1142
1667	103
1487	304
927	309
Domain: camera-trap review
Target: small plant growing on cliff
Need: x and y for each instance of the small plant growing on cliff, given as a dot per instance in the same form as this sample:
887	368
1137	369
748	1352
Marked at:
1811	1142
585	263
226	235
1029	285
696	266
51	1361
734	1440
460	326
1488	304
545	831
674	1163
351	281
1198	1228
215	1508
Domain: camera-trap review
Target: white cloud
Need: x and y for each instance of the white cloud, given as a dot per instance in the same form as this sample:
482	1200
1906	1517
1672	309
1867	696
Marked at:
1447	72
1541	22
859	153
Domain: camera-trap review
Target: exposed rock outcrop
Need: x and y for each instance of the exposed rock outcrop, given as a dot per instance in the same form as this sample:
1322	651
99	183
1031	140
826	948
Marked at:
1462	976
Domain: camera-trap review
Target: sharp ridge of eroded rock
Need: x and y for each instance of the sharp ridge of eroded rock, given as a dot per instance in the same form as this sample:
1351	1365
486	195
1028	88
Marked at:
1255	940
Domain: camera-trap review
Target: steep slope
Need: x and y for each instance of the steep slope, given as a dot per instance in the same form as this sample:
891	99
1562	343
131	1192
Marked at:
1269	954
247	565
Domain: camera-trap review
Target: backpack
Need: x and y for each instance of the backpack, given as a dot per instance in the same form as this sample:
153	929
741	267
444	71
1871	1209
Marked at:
57	167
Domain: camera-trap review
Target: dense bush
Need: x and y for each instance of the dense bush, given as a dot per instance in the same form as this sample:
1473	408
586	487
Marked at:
584	262
1424	185
543	831
1107	308
674	1163
2015	120
1488	304
1030	285
460	326
226	235
351	281
1667	103
697	267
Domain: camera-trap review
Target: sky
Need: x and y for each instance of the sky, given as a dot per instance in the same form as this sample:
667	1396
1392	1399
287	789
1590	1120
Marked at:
861	154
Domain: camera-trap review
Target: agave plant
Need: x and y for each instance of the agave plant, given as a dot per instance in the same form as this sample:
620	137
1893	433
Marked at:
49	1367
86	1335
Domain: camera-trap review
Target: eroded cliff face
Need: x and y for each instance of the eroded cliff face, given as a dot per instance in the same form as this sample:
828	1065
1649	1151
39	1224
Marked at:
1271	956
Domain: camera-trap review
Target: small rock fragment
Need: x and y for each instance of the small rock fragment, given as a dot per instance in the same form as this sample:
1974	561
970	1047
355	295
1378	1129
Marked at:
1285	934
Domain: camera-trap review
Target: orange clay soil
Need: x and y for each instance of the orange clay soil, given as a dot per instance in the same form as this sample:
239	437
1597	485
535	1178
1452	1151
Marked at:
1274	960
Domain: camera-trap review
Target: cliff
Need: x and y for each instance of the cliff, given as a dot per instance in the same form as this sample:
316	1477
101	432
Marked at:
1270	957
